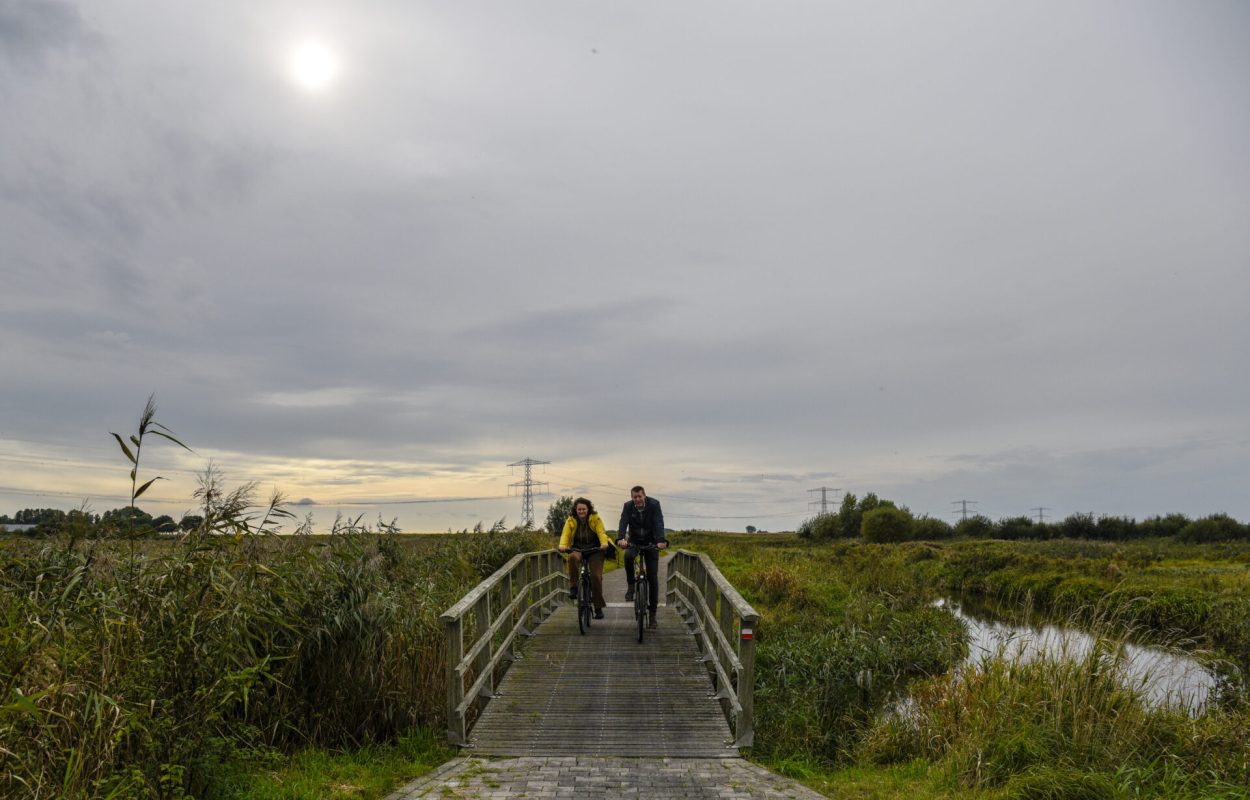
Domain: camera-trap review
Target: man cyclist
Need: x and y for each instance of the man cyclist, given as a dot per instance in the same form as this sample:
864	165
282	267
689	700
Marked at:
642	523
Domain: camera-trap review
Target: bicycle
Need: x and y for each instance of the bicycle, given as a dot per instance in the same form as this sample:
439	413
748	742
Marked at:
585	600
642	588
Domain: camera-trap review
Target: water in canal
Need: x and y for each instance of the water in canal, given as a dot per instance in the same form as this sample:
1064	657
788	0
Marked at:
1164	676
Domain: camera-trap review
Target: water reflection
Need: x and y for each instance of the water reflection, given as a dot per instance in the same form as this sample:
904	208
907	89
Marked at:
1164	678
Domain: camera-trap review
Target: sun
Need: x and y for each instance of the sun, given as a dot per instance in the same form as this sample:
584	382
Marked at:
312	65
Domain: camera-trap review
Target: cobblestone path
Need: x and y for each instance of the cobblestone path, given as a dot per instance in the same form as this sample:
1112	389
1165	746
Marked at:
604	777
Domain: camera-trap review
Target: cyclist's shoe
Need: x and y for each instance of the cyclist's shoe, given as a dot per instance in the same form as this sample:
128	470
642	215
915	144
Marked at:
573	593
598	613
651	621
629	594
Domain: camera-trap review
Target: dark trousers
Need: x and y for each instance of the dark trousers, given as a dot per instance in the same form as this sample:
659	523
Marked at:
653	571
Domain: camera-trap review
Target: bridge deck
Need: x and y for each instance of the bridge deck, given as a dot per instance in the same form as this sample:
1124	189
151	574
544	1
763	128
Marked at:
605	694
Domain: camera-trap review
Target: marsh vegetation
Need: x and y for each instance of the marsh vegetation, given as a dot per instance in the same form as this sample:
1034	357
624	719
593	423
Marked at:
197	665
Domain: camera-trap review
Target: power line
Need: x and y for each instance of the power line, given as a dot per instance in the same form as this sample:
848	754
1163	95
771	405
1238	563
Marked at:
742	516
1041	515
527	487
409	501
667	496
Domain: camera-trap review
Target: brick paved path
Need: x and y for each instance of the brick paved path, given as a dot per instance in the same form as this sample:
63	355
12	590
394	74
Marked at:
598	777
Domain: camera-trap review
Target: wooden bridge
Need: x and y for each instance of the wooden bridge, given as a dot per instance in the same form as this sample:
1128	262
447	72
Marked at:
522	681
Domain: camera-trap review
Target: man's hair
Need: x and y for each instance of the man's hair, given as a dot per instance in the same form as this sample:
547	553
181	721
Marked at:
638	489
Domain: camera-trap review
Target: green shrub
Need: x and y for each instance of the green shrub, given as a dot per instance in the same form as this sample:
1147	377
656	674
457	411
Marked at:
1156	526
1215	528
931	529
975	527
886	524
1115	529
1079	526
821	527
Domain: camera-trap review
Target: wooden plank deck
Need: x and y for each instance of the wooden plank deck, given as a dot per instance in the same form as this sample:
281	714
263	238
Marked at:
605	694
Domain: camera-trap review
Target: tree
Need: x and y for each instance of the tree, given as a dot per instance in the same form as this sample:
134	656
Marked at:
1115	529
164	524
1214	528
1013	528
821	527
131	521
931	529
751	529
885	523
1170	525
35	516
1078	526
560	510
978	526
849	516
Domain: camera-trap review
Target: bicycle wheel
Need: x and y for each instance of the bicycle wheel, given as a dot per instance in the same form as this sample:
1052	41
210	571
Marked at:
583	604
641	590
588	593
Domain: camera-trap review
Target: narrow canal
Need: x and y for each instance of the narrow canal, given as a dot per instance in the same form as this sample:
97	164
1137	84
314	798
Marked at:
1164	676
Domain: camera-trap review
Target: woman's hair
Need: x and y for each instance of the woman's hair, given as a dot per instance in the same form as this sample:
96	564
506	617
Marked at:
581	501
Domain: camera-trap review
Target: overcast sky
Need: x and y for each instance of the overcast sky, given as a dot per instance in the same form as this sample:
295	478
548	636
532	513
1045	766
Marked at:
733	251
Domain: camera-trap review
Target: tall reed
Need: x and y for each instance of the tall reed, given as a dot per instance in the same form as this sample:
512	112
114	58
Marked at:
133	669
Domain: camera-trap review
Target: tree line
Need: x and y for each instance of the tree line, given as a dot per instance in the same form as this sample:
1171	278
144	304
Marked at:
125	521
878	520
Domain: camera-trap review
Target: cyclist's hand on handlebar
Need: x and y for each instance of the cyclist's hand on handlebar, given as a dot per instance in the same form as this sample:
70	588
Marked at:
563	549
622	543
661	545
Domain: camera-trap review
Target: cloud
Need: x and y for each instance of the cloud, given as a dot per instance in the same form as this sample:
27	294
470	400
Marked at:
843	247
34	31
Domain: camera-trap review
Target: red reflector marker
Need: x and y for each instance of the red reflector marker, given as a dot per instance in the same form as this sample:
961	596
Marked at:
747	633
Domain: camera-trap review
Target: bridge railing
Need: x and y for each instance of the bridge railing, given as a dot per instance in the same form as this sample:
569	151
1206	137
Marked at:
725	626
482	630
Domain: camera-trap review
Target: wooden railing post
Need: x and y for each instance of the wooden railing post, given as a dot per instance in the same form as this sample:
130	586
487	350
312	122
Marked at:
745	725
456	733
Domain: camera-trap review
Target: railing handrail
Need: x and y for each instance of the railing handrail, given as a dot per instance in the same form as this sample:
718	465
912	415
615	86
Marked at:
521	591
524	594
471	597
715	612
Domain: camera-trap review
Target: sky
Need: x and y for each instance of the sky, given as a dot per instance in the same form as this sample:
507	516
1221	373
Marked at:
370	254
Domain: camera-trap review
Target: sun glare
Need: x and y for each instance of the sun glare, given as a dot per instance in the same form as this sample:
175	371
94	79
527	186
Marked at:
313	66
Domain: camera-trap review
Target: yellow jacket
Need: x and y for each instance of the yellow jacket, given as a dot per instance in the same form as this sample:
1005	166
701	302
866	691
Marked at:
596	527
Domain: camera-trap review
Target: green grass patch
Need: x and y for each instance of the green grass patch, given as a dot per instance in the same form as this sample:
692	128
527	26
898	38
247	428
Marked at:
313	774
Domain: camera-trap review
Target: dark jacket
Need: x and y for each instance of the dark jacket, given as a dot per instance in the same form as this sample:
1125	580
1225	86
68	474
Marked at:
645	526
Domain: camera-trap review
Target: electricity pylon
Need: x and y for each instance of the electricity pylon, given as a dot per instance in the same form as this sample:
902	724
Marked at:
527	487
964	509
824	498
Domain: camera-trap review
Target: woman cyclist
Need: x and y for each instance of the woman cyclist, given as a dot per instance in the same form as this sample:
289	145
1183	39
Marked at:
585	529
